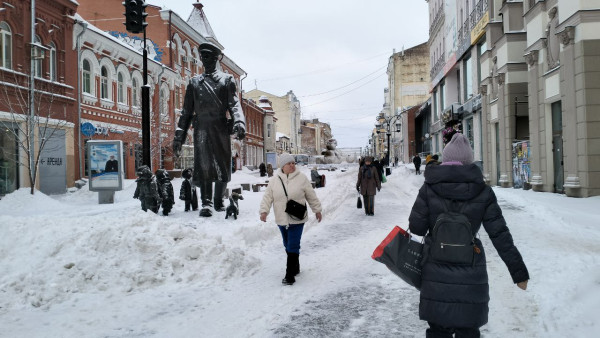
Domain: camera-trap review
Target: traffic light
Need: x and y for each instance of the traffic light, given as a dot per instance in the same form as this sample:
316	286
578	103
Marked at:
135	15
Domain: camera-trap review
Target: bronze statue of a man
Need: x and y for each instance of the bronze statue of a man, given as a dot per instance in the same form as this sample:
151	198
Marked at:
212	107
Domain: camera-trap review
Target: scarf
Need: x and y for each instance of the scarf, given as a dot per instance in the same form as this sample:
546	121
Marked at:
367	170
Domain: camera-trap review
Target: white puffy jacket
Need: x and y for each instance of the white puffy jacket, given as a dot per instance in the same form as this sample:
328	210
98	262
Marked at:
298	188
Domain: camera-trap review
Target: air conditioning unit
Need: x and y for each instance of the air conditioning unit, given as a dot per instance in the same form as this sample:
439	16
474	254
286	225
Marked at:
195	61
37	52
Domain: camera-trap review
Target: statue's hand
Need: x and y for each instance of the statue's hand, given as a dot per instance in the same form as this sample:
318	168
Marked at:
177	147
239	130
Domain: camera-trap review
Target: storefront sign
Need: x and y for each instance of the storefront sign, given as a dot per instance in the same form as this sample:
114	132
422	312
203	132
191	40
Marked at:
479	29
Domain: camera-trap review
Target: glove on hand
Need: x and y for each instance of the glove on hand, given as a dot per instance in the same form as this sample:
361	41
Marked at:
239	130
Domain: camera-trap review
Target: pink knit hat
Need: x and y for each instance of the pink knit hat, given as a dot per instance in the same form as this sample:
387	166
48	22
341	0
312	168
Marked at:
458	150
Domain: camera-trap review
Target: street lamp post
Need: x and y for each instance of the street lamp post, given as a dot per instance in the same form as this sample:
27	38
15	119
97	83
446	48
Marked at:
386	122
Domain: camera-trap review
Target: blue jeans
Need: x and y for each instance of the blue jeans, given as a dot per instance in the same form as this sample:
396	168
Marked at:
291	237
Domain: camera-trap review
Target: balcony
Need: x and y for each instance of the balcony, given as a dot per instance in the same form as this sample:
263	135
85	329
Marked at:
439	16
439	64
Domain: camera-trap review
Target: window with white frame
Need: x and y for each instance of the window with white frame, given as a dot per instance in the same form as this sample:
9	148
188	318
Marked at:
5	45
86	75
468	78
135	92
104	83
121	89
52	61
37	62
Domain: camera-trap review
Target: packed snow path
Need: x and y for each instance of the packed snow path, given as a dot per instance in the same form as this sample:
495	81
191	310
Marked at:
72	268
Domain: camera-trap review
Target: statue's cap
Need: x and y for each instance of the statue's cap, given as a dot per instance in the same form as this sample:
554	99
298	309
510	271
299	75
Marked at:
207	46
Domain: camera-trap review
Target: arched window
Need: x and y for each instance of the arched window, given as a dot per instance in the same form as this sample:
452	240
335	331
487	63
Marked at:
52	61
37	62
120	88
104	83
87	77
134	93
5	46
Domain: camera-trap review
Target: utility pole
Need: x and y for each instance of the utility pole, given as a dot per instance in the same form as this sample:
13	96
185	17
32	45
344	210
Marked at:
135	22
32	97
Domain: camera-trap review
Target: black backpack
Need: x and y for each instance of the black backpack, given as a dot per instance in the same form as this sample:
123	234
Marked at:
452	237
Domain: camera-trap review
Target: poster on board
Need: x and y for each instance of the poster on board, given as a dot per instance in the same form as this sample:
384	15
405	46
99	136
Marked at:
521	165
105	165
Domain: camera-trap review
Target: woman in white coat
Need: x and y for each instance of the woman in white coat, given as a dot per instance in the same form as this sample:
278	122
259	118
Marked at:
299	189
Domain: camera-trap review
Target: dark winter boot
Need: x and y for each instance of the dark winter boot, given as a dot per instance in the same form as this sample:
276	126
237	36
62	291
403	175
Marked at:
289	272
295	262
220	188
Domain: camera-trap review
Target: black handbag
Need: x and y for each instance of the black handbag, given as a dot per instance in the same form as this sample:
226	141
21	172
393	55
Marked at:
402	255
358	203
294	209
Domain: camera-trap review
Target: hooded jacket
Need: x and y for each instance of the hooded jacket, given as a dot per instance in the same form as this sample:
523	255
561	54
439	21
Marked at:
458	295
298	189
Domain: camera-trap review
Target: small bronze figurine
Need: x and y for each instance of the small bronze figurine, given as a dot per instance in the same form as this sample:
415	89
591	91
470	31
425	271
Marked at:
165	189
147	190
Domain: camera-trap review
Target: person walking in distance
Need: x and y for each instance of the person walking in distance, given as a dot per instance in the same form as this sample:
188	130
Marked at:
289	184
212	107
368	184
454	287
417	163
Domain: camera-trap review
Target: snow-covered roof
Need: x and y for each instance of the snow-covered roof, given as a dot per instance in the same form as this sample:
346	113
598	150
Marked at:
279	135
198	21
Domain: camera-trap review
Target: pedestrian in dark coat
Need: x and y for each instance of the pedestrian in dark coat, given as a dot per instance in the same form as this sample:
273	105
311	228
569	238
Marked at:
147	190
165	190
263	169
454	298
368	184
187	192
417	163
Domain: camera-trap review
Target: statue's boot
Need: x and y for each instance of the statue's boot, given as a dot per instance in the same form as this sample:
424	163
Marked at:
206	197
220	188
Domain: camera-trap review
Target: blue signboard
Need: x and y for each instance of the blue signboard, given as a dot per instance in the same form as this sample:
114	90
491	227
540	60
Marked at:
88	129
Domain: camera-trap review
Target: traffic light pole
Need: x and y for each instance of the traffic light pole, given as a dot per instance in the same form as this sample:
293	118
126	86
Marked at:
146	110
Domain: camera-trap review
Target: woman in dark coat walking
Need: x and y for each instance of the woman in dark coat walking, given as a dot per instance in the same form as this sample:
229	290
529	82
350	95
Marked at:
454	297
368	182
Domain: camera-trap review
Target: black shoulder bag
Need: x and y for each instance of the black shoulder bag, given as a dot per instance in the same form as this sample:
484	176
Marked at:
296	210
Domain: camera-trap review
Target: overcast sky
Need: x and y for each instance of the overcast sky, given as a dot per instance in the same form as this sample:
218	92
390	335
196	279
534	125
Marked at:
332	53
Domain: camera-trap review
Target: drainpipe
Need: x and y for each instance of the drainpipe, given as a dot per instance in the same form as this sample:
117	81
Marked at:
160	108
84	26
170	42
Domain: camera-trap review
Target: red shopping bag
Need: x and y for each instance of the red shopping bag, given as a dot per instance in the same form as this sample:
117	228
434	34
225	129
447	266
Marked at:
402	255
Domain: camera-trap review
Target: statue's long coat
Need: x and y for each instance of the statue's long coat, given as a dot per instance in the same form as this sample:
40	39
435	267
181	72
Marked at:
208	116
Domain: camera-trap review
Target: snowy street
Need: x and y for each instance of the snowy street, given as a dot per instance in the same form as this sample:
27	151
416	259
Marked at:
70	267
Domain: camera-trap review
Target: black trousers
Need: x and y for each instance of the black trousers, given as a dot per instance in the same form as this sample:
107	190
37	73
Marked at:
369	202
436	331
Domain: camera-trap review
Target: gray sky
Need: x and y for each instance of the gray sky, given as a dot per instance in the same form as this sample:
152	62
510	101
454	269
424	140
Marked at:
332	53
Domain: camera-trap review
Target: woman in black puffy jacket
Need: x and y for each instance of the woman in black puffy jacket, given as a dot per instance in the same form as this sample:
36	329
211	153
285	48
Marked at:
454	297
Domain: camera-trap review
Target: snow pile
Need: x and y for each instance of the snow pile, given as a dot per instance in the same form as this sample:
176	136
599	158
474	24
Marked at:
70	267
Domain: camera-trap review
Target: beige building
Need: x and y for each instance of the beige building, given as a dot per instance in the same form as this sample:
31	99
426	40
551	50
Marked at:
288	115
408	86
520	80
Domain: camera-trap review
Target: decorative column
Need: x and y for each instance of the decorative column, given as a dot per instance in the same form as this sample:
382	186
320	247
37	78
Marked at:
536	181
569	89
